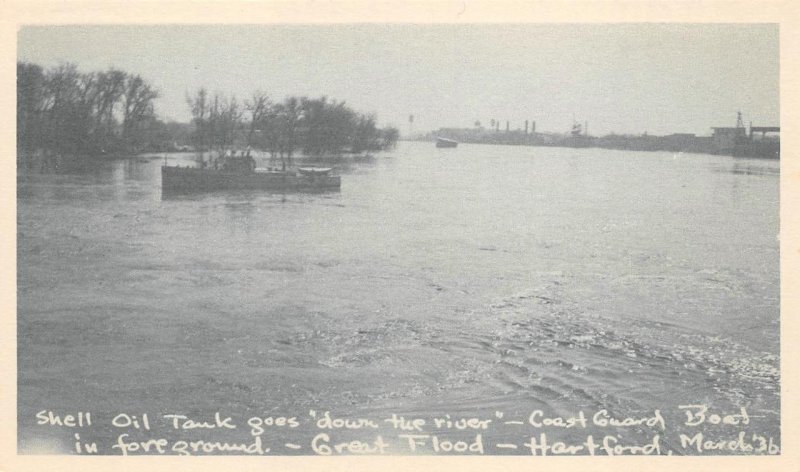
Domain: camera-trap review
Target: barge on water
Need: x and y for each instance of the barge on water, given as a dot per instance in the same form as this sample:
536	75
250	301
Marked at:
176	179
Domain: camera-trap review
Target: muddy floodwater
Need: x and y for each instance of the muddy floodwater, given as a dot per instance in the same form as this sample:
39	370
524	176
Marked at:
481	281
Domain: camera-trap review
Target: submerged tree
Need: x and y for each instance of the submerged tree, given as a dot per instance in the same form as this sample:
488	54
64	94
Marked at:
137	110
63	112
389	137
318	126
259	107
217	120
32	101
199	107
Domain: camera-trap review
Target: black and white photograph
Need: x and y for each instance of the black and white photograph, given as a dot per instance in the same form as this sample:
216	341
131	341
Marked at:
398	239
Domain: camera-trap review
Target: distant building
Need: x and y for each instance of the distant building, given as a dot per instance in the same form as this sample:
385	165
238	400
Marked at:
726	138
679	142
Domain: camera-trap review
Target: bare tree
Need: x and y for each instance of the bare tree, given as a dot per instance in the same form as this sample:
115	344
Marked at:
320	127
199	107
137	110
259	107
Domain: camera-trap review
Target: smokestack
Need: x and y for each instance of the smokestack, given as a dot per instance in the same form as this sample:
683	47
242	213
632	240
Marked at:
526	126
507	126
533	127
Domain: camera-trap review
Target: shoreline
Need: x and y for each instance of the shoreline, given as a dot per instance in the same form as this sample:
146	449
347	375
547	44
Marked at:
590	145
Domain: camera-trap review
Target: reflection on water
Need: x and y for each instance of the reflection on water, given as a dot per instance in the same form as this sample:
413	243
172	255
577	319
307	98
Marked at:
749	167
486	278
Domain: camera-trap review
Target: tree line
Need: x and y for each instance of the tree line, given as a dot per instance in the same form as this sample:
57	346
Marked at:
317	127
64	112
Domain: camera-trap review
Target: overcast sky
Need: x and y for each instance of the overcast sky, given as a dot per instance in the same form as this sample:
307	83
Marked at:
631	78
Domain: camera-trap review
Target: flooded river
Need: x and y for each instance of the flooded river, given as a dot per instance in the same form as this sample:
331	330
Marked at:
481	281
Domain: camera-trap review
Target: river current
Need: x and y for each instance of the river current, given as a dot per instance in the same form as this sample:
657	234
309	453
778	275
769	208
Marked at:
467	281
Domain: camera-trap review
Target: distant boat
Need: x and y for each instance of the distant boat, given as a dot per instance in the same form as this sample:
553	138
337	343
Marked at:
445	143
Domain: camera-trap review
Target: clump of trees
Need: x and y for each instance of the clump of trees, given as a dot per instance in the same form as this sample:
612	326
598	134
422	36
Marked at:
64	112
317	127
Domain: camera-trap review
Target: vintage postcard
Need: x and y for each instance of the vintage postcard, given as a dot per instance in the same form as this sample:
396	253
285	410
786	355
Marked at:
431	233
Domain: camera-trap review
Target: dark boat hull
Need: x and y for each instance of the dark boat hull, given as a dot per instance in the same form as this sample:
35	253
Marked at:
445	143
190	180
